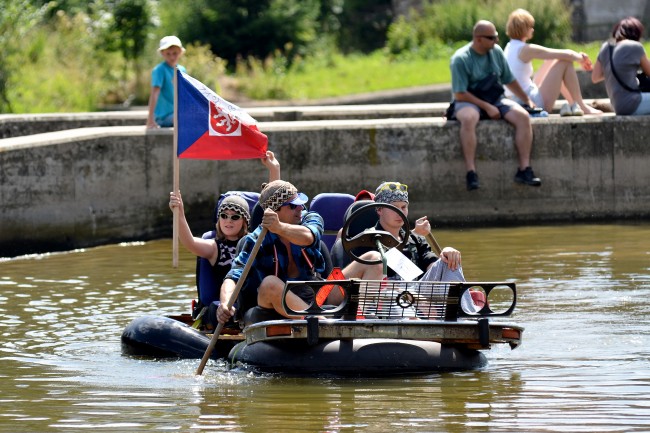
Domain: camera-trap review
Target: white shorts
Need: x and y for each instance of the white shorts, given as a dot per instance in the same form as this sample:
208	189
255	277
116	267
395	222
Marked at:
533	94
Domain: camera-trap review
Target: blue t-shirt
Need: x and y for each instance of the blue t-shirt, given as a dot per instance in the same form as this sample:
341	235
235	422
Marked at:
162	76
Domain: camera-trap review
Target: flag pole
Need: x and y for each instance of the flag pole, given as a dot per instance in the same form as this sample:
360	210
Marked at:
176	164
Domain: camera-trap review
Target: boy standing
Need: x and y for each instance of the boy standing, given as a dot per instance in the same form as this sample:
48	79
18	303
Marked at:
161	101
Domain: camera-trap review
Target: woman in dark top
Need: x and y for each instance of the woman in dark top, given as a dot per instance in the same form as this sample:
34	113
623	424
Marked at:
232	224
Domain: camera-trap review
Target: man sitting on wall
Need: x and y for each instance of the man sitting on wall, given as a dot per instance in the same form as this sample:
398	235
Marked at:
478	72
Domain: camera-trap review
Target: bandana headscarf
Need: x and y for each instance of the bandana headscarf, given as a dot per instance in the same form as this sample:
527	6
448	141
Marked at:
277	193
389	192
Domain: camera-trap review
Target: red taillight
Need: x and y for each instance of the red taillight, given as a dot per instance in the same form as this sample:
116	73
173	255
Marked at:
276	331
511	333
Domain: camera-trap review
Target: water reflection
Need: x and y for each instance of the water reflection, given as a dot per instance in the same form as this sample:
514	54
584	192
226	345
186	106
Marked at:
583	365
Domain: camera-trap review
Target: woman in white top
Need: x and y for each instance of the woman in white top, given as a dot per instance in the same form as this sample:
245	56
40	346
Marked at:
556	75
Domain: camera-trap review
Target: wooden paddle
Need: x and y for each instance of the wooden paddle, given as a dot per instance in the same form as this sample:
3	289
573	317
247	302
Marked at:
231	301
433	243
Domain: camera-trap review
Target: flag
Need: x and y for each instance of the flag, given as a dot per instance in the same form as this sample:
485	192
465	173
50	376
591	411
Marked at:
209	127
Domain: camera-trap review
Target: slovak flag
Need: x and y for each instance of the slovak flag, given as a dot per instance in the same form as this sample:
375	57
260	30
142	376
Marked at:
209	127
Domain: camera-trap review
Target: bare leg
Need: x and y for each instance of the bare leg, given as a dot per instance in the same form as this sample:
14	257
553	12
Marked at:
549	82
540	75
468	118
560	76
269	295
365	272
520	119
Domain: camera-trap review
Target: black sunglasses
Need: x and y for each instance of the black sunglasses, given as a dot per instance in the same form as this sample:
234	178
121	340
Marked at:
225	216
492	38
291	205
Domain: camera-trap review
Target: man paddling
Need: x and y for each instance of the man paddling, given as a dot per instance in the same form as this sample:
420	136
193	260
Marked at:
289	252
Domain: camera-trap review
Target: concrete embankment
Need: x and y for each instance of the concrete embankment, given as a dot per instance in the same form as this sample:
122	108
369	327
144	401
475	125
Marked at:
91	186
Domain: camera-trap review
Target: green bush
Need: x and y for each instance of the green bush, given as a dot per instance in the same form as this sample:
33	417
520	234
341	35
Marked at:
451	21
203	65
265	79
17	18
61	70
243	28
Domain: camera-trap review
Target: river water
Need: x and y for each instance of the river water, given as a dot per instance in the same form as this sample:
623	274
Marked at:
583	366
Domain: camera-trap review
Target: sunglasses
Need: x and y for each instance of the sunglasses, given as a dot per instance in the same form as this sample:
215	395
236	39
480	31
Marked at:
225	216
394	186
292	206
492	38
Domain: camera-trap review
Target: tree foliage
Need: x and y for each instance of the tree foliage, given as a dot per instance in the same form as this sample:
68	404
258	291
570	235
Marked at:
17	18
451	21
364	24
129	28
242	28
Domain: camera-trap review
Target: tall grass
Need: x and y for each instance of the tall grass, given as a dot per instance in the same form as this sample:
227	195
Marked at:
61	70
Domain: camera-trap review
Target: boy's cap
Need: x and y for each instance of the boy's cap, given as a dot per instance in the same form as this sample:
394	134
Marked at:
170	41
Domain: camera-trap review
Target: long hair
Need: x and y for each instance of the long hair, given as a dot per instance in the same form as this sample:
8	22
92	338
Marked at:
243	232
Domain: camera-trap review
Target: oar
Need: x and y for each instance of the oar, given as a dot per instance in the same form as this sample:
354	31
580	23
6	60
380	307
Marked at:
433	243
231	301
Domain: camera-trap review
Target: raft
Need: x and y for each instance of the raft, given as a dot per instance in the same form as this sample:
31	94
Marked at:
372	328
383	329
173	337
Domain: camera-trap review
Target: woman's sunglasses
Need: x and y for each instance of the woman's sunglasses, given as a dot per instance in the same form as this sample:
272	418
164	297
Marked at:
394	186
225	216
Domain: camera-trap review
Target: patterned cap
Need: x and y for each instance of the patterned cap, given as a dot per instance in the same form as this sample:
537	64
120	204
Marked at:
277	193
389	192
237	204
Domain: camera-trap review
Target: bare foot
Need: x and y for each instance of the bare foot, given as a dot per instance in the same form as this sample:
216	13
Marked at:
590	110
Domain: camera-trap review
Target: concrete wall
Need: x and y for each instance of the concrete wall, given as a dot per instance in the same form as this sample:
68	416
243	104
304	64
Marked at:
92	186
593	19
16	125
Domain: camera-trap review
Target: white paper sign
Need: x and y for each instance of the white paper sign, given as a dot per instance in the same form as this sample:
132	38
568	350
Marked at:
402	265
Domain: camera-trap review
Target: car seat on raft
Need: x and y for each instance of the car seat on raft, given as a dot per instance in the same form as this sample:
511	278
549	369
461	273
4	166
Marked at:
366	219
332	207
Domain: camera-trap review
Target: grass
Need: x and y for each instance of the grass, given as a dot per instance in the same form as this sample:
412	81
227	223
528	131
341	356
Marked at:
360	74
338	75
